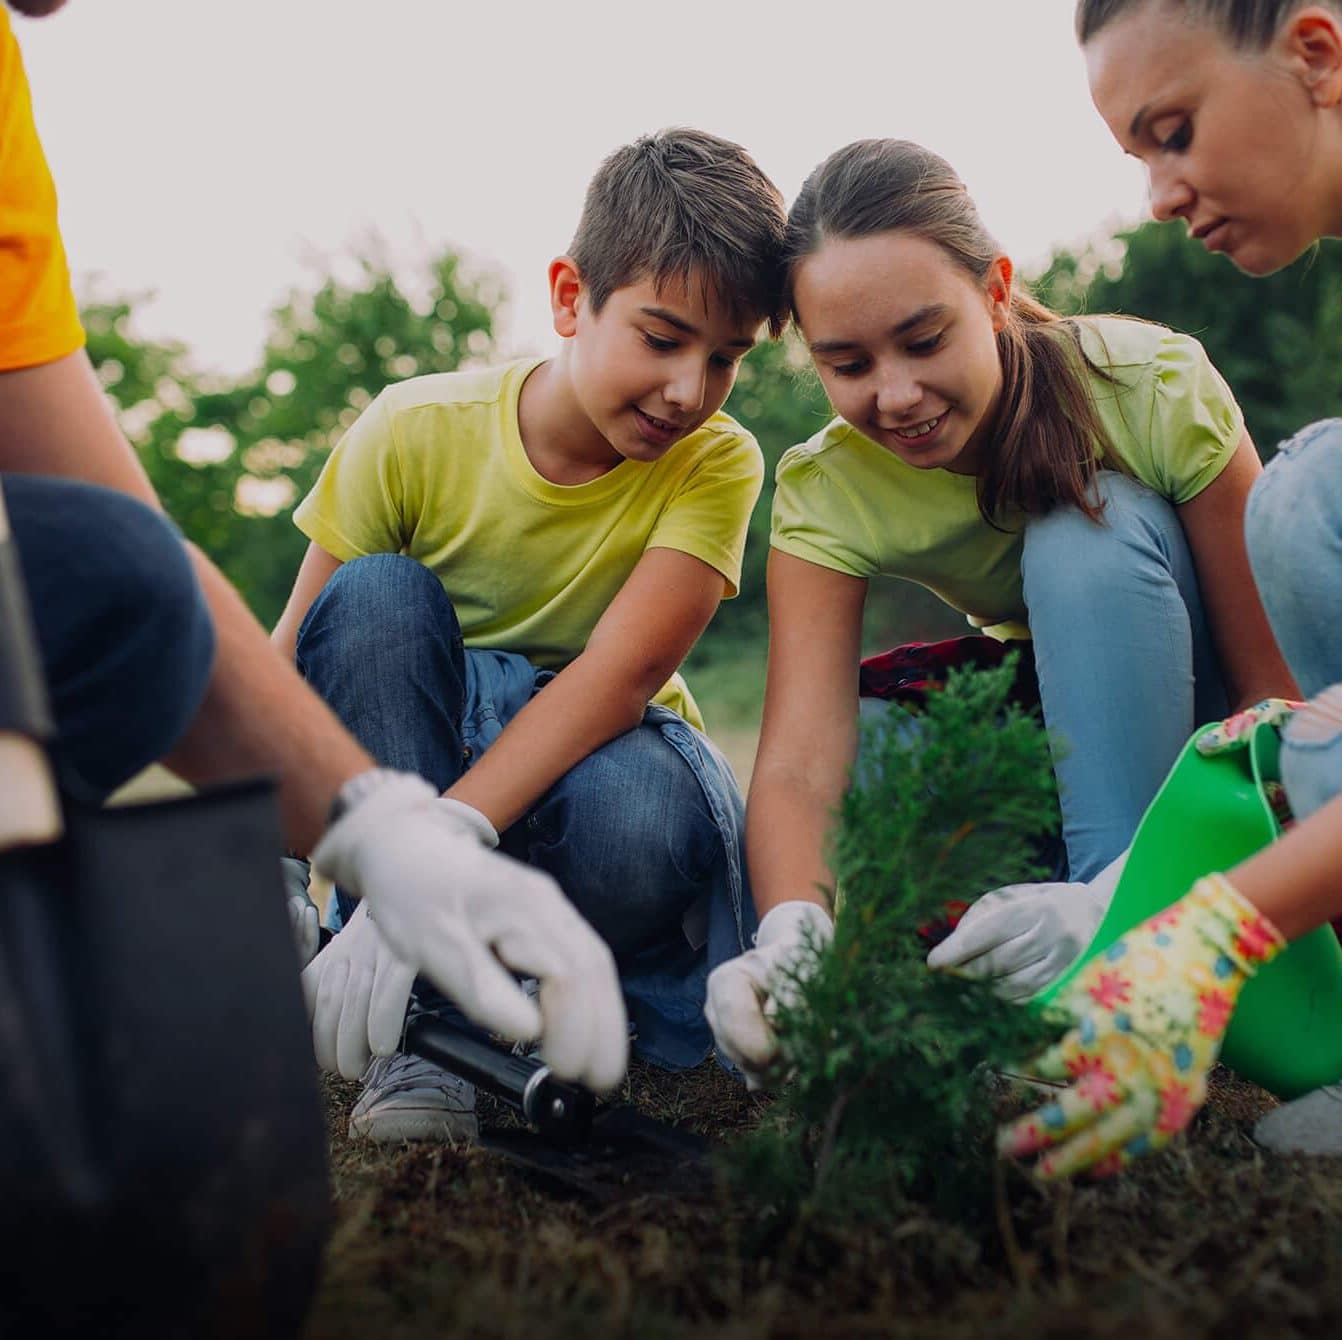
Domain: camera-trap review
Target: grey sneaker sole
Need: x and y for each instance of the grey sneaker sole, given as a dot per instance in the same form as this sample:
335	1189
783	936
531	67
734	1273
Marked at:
1309	1125
386	1124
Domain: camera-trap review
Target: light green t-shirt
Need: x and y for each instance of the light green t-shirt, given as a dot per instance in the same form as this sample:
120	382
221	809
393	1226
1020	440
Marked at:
435	468
845	503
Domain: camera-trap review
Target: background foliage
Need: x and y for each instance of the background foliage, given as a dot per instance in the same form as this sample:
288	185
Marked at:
231	456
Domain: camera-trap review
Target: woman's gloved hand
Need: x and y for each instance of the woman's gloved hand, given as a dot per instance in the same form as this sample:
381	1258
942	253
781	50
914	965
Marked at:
1024	936
1151	1012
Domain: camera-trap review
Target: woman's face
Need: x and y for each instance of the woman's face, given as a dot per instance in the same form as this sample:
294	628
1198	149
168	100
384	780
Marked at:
903	339
1245	147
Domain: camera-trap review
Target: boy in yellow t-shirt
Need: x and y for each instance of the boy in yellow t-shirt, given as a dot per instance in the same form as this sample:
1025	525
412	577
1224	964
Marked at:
508	566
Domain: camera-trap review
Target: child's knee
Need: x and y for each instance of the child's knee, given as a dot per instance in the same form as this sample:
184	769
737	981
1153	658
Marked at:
1294	514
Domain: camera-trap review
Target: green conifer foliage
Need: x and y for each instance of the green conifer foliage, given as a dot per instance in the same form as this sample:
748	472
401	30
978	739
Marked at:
887	1100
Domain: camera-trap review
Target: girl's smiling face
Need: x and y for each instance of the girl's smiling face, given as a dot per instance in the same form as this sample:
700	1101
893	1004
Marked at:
904	341
1244	146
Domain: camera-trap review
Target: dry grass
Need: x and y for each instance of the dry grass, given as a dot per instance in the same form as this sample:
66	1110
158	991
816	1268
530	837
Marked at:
1211	1239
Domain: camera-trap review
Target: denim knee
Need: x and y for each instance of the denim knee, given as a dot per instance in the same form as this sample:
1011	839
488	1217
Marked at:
629	836
1293	532
127	637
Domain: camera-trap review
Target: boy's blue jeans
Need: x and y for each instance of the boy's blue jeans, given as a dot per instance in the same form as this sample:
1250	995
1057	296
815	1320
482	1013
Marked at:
644	835
1126	664
123	630
1293	526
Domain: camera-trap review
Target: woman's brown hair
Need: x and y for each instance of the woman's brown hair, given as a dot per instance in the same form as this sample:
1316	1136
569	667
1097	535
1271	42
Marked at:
1046	433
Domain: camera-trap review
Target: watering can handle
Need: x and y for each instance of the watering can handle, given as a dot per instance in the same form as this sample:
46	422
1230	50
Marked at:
30	810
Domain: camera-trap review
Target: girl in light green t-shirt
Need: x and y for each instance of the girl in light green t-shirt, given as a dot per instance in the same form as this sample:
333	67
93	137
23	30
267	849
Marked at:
1080	482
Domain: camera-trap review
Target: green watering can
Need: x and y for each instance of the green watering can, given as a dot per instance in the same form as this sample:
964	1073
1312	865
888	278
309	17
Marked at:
1212	813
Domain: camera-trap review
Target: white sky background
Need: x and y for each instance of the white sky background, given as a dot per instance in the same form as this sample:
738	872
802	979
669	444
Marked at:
221	152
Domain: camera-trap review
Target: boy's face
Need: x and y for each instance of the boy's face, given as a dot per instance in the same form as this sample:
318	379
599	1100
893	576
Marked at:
653	364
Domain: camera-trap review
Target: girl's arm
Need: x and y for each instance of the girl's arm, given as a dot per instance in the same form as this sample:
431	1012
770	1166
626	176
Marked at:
639	642
1296	882
1214	524
808	738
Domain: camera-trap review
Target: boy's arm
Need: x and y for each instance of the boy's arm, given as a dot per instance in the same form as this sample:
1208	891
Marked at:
1213	522
639	642
316	570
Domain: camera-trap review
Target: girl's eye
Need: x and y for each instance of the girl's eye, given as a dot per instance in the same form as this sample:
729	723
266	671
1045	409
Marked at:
847	369
928	346
656	342
1178	139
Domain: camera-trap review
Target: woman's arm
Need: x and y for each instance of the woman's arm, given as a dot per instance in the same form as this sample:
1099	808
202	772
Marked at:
808	738
1213	521
639	642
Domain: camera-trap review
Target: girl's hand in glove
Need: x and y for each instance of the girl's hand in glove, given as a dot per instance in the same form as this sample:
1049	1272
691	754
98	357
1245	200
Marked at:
1235	731
473	921
745	992
1151	1012
1024	936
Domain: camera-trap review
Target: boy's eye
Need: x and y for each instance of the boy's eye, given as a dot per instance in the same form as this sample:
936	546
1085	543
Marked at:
723	363
662	346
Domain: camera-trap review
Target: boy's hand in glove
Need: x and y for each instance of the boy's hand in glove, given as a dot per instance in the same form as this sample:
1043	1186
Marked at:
470	920
1151	1012
1024	936
745	992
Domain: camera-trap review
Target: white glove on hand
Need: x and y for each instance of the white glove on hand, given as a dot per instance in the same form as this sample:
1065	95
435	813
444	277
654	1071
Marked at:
469	919
745	992
1024	936
357	992
304	922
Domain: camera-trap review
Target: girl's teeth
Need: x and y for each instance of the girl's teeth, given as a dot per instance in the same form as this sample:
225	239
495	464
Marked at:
919	429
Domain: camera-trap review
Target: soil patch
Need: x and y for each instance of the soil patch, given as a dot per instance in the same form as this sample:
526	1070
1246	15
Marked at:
1211	1238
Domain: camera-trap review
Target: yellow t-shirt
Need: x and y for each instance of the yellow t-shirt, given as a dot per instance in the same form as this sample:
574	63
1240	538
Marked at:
845	503
39	322
435	468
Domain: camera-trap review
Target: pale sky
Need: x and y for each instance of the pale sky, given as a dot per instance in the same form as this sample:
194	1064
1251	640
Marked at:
220	151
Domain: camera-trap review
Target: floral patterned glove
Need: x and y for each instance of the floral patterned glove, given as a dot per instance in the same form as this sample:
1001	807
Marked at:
1151	1012
1235	731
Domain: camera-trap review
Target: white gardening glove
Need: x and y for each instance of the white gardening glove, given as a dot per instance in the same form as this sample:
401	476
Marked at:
357	992
304	921
1024	936
469	919
745	992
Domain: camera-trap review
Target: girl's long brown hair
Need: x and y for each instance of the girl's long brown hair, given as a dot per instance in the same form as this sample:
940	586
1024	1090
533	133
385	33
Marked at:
1046	434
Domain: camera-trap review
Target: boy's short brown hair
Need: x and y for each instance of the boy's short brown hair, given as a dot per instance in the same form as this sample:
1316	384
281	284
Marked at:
682	204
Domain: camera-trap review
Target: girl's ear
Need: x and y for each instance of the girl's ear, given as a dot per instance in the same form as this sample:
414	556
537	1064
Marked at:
1311	44
998	287
566	293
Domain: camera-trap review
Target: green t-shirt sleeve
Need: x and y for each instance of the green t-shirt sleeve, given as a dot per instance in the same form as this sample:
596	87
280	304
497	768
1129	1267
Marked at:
1193	423
357	505
815	519
710	513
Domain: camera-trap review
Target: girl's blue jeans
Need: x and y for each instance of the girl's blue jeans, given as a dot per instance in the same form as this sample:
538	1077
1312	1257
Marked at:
1125	659
1293	526
644	835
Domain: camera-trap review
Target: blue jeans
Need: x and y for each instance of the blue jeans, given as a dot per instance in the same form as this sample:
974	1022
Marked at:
644	835
1125	660
125	636
1293	527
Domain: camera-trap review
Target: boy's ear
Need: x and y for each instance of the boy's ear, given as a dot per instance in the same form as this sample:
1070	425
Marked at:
1311	43
566	293
998	286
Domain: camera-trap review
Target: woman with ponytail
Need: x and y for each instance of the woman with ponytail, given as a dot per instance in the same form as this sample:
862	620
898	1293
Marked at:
1076	482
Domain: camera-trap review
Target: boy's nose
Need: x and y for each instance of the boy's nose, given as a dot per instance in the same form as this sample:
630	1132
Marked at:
685	389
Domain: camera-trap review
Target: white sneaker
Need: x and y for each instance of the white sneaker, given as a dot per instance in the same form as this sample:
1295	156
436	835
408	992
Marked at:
408	1098
1308	1125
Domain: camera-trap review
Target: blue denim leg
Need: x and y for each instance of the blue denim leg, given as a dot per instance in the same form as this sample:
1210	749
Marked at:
125	635
1126	663
1293	527
382	645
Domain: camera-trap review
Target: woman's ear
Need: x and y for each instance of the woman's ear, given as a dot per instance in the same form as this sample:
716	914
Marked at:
1310	42
566	292
998	287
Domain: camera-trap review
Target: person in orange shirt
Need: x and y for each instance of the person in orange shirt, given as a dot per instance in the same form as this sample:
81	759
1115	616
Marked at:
149	654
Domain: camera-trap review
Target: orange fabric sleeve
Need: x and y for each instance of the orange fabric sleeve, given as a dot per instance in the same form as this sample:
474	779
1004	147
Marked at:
39	321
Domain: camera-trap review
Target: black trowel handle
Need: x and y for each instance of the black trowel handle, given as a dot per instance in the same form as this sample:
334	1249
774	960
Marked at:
29	809
561	1113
